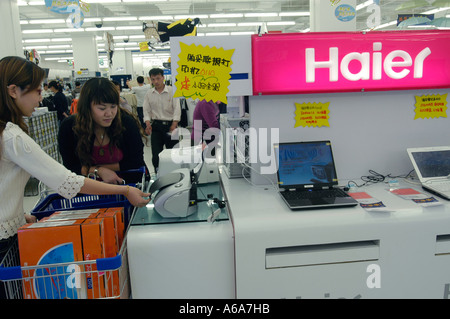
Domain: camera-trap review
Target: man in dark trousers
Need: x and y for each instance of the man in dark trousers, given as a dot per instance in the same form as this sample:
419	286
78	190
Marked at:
161	114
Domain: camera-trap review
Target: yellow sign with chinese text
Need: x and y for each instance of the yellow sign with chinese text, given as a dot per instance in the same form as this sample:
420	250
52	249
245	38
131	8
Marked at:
312	114
431	106
143	46
203	72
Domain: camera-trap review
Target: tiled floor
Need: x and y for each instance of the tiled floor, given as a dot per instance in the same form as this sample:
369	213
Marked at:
30	201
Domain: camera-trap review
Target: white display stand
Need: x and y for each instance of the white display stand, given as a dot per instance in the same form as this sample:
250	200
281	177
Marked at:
335	253
183	257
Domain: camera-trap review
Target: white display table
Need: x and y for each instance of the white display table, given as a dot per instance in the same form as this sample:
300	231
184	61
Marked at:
338	253
182	257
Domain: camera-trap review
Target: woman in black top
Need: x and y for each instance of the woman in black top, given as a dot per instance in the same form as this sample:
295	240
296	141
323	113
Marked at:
101	137
59	100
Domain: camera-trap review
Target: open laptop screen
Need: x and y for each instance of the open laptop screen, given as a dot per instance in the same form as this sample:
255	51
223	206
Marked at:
305	163
433	163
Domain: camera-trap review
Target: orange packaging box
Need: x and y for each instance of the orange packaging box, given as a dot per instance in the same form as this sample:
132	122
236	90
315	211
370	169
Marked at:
113	218
119	213
51	243
74	214
92	232
111	238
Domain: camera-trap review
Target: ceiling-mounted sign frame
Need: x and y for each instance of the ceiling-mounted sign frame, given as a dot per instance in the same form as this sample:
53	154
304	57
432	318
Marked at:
320	62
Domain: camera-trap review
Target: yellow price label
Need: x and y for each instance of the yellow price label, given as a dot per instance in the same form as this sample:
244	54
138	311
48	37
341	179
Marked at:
431	106
312	114
203	72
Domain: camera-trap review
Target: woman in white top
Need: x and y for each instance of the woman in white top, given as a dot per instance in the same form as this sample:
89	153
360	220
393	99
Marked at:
21	157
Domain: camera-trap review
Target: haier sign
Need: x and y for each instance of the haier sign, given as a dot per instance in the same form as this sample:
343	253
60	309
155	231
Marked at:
350	61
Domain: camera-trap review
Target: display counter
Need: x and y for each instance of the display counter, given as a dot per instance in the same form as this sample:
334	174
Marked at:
400	251
188	257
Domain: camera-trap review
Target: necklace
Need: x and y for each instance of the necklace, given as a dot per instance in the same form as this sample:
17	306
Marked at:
101	151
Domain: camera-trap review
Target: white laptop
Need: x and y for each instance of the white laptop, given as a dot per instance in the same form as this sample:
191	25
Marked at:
432	165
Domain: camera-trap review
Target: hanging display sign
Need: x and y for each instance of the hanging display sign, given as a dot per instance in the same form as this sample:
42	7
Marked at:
203	72
350	61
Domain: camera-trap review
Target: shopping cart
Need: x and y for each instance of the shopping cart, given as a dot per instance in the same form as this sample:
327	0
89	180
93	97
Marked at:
105	278
54	202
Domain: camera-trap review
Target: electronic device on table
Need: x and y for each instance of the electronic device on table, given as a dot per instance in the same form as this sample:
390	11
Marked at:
432	165
307	176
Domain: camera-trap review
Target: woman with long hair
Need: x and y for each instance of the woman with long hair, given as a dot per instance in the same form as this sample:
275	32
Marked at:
21	157
101	138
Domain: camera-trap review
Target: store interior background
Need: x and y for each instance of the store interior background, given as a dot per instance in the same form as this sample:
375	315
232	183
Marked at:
48	33
357	148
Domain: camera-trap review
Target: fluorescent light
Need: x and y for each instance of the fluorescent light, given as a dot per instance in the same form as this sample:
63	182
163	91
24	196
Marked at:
36	40
134	27
38	31
62	46
363	5
36	3
281	23
23	22
242	33
92	19
436	10
226	15
137	36
218	25
101	29
46	21
102	1
261	15
61	39
69	30
131	1
120	19
156	18
294	14
37	47
212	34
126	43
249	24
200	16
385	25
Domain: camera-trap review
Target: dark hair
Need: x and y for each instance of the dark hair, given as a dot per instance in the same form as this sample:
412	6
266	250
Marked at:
117	83
97	91
140	79
55	85
77	83
156	71
24	74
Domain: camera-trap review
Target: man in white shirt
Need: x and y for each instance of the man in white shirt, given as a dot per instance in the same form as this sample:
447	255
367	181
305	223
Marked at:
161	114
140	90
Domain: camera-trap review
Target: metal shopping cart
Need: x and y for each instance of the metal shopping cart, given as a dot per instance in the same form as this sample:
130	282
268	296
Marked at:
105	278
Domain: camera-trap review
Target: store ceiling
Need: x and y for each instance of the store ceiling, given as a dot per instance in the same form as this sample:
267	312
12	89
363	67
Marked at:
203	9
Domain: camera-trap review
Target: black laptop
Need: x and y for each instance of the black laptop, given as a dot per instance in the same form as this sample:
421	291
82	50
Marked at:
307	176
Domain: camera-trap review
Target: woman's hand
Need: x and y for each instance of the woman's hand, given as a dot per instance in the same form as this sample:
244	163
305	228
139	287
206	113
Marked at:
109	176
136	197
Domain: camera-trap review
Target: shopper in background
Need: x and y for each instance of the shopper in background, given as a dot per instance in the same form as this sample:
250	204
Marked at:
140	91
46	91
101	138
21	157
161	115
77	90
123	103
206	123
59	100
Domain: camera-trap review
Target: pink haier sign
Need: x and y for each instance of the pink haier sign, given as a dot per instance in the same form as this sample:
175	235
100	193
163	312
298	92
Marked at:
350	61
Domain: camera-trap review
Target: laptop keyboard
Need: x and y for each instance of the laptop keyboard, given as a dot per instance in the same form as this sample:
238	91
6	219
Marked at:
335	192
